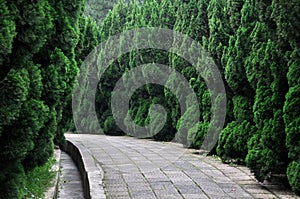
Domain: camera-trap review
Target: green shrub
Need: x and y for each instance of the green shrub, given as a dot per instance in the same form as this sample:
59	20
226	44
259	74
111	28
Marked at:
12	178
196	135
293	139
39	179
110	126
184	124
242	109
292	122
267	153
233	141
293	173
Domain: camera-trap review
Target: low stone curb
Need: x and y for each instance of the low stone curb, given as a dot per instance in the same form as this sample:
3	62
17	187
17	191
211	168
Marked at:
91	173
51	193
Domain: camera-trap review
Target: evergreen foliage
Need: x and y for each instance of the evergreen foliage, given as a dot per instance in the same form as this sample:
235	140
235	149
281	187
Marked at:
292	121
38	71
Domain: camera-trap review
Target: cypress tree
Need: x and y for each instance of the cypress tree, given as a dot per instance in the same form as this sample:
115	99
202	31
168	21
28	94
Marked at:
61	51
7	32
20	125
219	30
167	13
266	154
234	12
39	71
88	40
287	20
98	9
150	11
231	145
238	49
292	121
15	142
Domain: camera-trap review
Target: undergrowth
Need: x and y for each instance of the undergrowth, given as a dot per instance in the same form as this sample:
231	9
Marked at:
39	179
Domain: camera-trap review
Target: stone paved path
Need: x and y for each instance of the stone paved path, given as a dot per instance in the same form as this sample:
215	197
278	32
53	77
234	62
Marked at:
144	169
70	184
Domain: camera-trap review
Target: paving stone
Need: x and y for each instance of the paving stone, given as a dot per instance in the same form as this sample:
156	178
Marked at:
119	197
218	196
264	196
169	196
134	178
114	195
195	196
239	195
162	185
154	178
255	189
189	189
142	194
163	192
246	182
140	187
117	189
213	191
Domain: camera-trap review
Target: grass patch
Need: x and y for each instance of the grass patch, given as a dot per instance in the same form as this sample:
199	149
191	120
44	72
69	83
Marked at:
39	179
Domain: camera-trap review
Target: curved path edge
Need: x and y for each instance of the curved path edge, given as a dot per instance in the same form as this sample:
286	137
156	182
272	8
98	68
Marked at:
91	172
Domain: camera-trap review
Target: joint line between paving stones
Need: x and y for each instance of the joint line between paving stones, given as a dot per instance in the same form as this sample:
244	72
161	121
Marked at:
152	189
173	182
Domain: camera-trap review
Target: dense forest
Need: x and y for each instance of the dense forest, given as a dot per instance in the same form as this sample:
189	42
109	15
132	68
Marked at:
255	45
